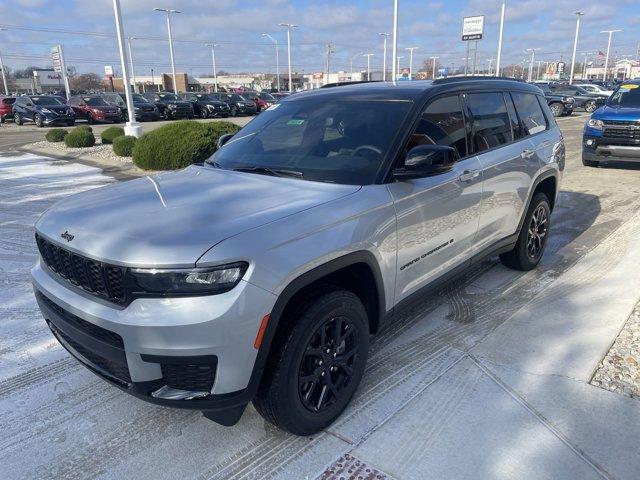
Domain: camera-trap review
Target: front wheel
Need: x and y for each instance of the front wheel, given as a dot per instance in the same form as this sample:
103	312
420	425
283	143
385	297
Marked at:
38	120
532	238
317	362
90	119
204	113
17	119
71	123
590	106
556	109
234	111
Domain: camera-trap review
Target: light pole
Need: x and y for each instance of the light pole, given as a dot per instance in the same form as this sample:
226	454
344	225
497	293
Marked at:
213	61
504	2
384	56
133	73
368	55
533	55
4	78
411	49
575	45
132	127
434	66
490	60
351	62
538	72
169	11
277	59
606	61
584	67
398	67
394	72
289	27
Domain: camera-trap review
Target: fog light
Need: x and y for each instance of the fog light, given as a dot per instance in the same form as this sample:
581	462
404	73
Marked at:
591	142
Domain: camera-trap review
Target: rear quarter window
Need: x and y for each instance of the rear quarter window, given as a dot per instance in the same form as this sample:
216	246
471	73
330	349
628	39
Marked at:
531	116
8	101
490	123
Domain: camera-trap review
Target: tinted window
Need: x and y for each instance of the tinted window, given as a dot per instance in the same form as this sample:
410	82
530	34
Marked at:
94	101
43	101
442	123
490	123
513	117
530	113
8	101
627	95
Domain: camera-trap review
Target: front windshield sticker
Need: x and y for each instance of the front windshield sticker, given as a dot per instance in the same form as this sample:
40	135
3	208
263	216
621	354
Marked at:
629	86
296	121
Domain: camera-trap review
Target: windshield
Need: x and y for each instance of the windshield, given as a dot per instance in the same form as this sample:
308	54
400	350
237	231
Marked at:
267	97
94	101
234	97
139	98
627	95
207	98
170	97
42	101
338	141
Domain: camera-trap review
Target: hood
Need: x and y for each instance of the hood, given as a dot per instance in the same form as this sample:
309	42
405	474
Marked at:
57	108
625	114
180	103
172	219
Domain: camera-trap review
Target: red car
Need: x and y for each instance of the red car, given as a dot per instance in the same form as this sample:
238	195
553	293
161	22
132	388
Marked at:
6	108
263	100
95	109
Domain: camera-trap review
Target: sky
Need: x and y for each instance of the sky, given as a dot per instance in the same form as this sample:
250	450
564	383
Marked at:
86	28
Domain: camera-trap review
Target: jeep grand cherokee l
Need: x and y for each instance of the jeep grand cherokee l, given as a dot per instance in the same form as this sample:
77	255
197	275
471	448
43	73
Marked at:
341	205
170	105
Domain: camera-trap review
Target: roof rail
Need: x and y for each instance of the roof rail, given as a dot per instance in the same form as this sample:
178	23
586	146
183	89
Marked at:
469	78
348	82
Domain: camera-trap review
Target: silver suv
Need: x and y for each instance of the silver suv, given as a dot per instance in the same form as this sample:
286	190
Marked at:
260	275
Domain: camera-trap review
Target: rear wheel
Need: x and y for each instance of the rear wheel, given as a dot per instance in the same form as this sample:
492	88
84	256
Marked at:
234	111
204	113
90	119
71	123
316	364
532	239
17	118
38	120
556	109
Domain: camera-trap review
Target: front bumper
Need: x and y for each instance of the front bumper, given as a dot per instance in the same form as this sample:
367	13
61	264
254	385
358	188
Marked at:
183	344
51	120
602	149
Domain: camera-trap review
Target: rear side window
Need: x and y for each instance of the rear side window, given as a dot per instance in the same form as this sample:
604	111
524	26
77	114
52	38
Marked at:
490	123
442	123
8	101
530	113
513	117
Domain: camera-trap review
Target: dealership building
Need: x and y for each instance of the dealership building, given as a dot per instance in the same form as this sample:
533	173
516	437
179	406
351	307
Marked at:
42	81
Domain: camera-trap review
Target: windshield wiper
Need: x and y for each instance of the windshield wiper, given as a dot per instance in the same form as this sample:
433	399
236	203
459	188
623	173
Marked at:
274	172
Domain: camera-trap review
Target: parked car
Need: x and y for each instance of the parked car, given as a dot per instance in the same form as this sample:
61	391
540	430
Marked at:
560	105
592	88
144	110
587	101
263	100
206	105
237	104
6	108
612	134
170	105
261	274
42	110
280	95
94	109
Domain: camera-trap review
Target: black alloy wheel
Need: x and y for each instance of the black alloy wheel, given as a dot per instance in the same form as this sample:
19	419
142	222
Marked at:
537	233
37	118
234	111
17	119
204	112
556	109
590	106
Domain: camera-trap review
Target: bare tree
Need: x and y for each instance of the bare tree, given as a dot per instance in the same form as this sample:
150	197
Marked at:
86	82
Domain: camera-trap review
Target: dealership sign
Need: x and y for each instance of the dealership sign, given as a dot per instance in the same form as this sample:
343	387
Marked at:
472	28
108	71
56	58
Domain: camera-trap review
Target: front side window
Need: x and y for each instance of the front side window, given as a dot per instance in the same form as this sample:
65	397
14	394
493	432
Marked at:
530	113
334	140
490	123
442	123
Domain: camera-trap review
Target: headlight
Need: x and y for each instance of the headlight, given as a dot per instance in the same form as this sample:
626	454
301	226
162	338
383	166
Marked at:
96	110
595	124
196	281
45	110
569	99
136	109
241	104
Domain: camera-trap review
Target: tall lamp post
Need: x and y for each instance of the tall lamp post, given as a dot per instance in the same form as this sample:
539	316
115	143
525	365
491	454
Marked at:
384	55
398	61
133	73
575	46
4	78
394	72
213	61
434	66
411	49
368	55
277	59
504	4
533	56
289	27
606	61
490	60
351	62
169	11
132	127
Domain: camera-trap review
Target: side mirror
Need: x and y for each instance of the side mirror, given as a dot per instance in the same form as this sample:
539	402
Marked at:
224	139
427	160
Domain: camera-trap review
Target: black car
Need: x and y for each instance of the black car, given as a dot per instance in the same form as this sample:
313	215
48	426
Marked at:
170	105
143	108
42	110
206	105
559	104
237	104
588	101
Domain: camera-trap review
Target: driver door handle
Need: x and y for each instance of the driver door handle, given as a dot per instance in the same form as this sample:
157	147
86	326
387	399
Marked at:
527	153
469	175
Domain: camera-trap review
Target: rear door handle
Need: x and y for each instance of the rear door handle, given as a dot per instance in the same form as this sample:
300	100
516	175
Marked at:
527	153
469	175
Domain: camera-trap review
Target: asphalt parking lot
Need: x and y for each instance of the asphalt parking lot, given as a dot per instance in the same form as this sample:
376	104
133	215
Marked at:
485	378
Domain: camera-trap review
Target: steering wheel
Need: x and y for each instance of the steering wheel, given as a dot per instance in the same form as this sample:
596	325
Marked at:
366	147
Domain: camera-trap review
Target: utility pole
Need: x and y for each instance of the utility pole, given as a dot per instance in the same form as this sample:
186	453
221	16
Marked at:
213	60
384	56
533	54
434	66
475	56
368	55
277	59
133	73
500	38
4	78
411	49
575	46
169	11
329	52
606	61
395	40
289	27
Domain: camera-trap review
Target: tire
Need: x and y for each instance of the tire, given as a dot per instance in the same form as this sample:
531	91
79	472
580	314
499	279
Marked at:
37	118
204	113
304	408
530	246
557	109
2	120
234	111
17	119
71	123
90	119
166	114
590	106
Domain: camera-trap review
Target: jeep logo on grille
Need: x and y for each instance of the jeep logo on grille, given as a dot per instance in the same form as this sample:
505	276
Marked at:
67	236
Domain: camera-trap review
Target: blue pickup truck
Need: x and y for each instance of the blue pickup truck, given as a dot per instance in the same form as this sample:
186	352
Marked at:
612	134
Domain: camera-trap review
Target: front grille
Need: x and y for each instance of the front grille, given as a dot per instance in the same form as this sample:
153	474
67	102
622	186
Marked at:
117	370
99	333
101	279
622	129
189	377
